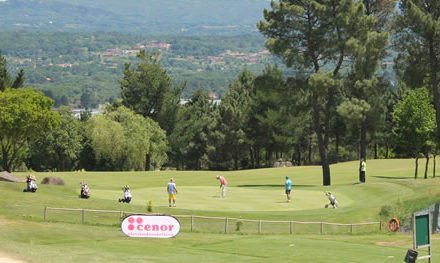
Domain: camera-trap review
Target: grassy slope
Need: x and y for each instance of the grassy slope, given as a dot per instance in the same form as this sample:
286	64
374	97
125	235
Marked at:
388	181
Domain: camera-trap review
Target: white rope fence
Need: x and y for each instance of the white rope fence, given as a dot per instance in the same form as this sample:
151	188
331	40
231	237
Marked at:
192	223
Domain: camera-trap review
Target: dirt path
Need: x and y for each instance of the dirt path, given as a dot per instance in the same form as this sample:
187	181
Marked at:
6	259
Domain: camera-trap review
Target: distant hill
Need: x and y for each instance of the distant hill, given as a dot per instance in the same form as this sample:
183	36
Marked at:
143	16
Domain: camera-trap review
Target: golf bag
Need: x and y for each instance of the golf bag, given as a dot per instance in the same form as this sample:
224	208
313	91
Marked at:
332	199
126	195
85	191
31	185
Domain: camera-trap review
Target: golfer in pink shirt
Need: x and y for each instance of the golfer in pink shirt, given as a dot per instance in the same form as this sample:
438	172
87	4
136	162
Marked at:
223	185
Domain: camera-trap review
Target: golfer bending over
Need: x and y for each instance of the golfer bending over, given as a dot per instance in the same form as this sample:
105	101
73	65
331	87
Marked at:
223	185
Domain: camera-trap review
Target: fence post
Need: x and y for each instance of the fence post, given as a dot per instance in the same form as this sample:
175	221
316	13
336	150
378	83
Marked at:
291	227
192	223
226	225
351	228
121	215
322	227
259	227
380	225
82	216
45	213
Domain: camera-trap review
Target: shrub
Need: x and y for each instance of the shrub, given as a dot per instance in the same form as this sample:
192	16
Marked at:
150	206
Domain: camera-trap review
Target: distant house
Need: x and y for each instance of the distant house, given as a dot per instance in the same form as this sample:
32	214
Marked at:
158	45
213	96
77	112
65	65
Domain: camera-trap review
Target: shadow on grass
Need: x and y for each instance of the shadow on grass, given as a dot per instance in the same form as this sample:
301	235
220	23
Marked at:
273	185
393	177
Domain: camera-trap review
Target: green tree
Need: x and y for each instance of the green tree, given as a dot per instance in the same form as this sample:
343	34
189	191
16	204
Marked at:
124	140
366	91
58	148
89	98
418	43
190	140
314	36
145	142
277	119
25	115
233	147
107	141
415	125
5	78
147	90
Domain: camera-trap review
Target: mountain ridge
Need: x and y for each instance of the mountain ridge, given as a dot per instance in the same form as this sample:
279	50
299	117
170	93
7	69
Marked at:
146	16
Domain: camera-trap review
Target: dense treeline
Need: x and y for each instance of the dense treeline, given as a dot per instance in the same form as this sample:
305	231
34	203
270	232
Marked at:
337	105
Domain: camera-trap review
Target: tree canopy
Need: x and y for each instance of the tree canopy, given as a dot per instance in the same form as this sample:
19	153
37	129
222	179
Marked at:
25	115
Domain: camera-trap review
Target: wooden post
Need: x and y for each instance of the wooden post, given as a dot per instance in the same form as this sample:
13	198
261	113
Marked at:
322	228
192	223
45	213
259	227
351	228
291	227
82	216
226	225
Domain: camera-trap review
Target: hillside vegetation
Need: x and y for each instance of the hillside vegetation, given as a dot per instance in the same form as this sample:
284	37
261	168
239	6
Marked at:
153	16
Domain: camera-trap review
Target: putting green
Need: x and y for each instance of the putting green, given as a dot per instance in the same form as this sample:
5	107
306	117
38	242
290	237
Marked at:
237	198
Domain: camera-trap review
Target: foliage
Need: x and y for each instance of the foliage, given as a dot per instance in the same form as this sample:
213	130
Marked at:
414	118
190	140
278	118
148	91
25	115
417	40
331	103
59	148
232	144
149	206
5	78
90	66
315	36
123	140
107	140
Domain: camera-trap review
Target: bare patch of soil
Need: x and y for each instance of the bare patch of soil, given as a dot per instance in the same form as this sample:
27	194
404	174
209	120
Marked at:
4	258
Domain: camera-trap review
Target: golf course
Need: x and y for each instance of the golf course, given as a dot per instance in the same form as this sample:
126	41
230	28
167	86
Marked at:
28	234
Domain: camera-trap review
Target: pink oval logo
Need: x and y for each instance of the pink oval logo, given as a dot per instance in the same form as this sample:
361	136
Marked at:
151	226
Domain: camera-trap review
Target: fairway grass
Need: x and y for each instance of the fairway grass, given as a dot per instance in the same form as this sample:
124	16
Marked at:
207	198
59	242
252	194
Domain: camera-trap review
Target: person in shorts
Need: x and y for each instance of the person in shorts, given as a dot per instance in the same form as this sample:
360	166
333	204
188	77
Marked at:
172	192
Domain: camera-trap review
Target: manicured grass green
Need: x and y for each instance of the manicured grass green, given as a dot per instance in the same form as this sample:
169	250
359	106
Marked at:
252	194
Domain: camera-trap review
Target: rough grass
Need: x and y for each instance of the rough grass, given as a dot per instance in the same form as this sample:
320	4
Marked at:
252	194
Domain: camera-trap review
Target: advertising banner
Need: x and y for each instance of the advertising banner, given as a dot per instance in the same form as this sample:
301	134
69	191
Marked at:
150	226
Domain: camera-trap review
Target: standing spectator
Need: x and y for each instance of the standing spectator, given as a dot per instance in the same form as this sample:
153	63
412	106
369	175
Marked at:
288	187
362	171
172	192
223	185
